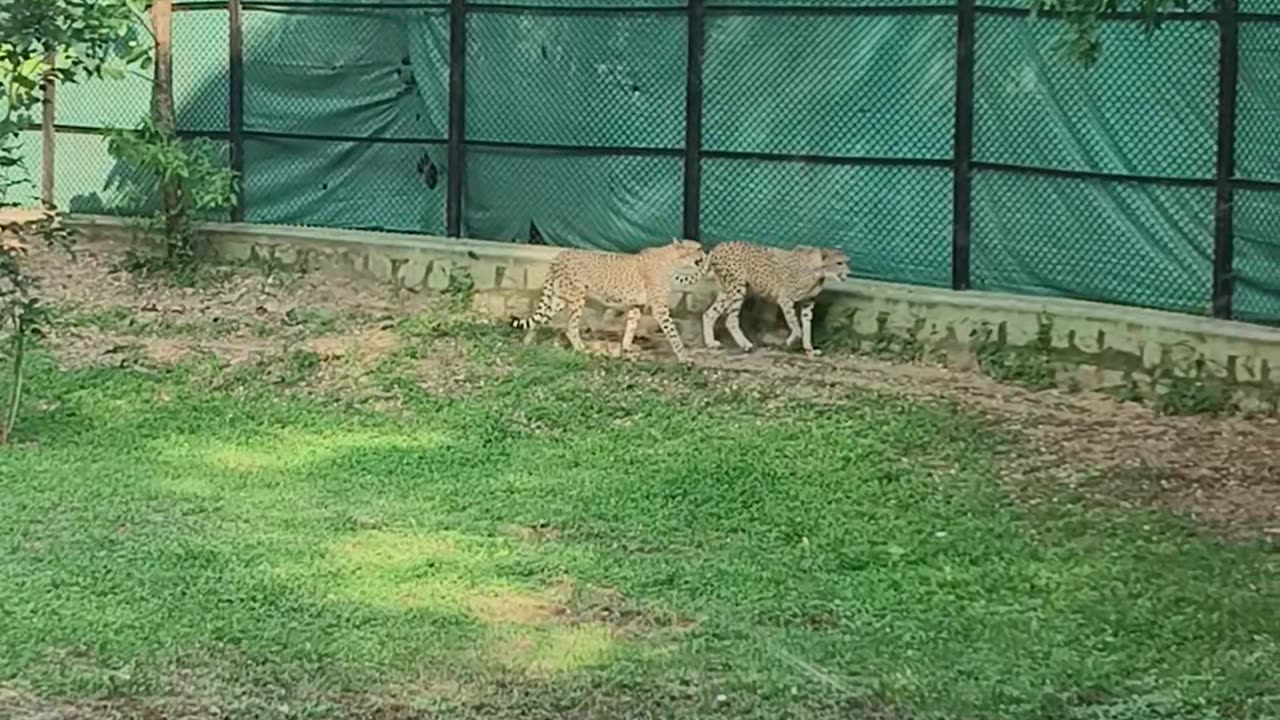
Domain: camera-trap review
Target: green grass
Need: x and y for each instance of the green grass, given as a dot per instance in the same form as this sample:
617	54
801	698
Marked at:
590	538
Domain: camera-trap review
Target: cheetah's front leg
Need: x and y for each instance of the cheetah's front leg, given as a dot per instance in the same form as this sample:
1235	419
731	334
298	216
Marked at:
574	324
734	320
789	314
711	317
629	331
662	314
806	323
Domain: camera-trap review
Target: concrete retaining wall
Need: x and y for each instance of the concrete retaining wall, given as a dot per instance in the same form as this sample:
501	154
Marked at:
1089	345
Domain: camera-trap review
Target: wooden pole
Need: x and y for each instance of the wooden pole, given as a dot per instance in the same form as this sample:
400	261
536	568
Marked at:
48	137
162	92
163	112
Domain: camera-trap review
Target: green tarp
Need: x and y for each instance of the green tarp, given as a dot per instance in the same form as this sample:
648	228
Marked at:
347	118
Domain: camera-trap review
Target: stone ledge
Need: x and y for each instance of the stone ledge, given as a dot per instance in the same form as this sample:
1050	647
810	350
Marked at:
1093	344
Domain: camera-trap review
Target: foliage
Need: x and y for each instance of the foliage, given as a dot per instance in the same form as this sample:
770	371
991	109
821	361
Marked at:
460	288
1027	367
67	41
84	38
197	179
21	313
1127	391
1080	41
1195	396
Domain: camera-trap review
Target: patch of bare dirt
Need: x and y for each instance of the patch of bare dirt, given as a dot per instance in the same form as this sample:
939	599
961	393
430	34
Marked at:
537	533
445	368
94	281
591	603
112	318
516	608
94	347
346	361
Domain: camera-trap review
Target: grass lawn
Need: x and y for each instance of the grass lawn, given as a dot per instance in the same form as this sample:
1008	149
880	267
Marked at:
556	536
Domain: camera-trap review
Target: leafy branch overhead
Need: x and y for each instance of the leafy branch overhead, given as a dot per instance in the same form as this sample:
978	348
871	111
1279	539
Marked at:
191	173
67	41
1081	40
83	38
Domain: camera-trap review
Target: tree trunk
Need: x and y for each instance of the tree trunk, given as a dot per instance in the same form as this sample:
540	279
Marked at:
15	390
162	91
162	109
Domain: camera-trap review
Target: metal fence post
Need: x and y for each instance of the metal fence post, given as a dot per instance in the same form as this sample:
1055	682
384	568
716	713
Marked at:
693	120
1224	205
235	102
457	115
961	164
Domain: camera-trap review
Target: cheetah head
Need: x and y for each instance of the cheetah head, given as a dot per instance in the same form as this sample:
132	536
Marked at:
835	265
688	253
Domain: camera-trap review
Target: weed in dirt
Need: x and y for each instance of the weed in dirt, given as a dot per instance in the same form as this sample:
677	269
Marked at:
439	323
1029	366
1127	391
1195	396
1020	366
460	288
840	335
1268	401
127	355
147	264
128	321
283	369
275	271
313	320
113	319
574	538
897	349
296	367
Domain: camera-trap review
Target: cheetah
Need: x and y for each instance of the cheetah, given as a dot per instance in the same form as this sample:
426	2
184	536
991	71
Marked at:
787	277
632	281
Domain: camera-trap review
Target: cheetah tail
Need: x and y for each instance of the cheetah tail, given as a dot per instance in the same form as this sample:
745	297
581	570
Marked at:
542	313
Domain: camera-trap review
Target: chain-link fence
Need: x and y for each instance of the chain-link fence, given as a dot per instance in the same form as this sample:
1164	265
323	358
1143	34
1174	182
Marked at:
938	143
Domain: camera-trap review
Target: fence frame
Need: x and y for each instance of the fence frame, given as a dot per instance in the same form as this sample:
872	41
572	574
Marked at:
235	101
962	148
1224	192
962	163
455	166
696	27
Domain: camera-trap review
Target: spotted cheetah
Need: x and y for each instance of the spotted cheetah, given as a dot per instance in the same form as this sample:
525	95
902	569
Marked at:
631	281
787	277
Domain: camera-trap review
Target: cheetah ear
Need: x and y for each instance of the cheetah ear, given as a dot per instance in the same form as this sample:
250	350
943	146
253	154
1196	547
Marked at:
812	255
834	255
